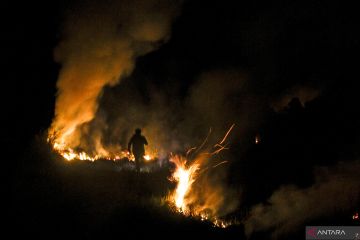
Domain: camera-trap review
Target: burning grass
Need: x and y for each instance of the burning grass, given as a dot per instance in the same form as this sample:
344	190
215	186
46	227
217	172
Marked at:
196	194
70	154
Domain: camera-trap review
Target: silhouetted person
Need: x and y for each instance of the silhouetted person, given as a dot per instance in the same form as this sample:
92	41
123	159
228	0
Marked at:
136	146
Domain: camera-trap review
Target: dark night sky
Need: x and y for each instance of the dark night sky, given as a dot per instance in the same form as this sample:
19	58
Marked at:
279	43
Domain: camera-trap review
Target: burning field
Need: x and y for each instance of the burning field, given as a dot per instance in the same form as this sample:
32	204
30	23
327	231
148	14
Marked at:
197	193
77	130
183	119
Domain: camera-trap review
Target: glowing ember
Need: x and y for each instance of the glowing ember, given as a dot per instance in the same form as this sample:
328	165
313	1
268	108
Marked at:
257	139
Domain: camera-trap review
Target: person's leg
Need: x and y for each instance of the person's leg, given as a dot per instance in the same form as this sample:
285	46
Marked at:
137	163
141	161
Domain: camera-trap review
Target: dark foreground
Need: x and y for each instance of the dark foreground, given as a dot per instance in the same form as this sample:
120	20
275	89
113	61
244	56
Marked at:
52	199
84	200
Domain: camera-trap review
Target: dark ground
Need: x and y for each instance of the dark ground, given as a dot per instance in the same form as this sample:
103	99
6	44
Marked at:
57	199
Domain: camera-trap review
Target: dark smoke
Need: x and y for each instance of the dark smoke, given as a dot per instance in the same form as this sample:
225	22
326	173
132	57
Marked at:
336	189
172	123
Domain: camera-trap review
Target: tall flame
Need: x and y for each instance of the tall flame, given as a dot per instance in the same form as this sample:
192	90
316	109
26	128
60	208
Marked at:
99	46
184	176
185	197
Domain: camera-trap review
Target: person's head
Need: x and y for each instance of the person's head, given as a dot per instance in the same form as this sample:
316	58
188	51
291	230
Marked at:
138	131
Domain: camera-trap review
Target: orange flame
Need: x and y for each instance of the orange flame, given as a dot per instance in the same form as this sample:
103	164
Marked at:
70	154
186	173
184	176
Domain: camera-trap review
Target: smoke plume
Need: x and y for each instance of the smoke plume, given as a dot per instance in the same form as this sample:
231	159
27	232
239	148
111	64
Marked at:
335	190
100	43
172	123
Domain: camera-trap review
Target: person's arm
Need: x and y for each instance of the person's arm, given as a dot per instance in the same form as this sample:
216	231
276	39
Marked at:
145	141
